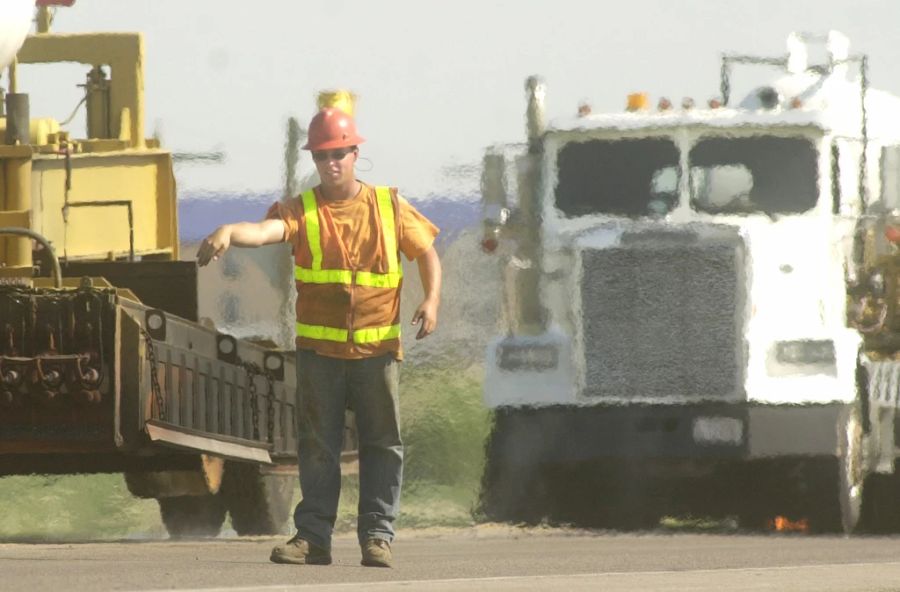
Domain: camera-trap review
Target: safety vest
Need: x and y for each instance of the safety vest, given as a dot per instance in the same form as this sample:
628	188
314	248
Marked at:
337	304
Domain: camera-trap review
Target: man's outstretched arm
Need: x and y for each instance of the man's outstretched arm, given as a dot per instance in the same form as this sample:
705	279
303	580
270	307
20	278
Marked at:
430	275
241	234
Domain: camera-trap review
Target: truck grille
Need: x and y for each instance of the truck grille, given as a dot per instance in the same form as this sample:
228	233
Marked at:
663	317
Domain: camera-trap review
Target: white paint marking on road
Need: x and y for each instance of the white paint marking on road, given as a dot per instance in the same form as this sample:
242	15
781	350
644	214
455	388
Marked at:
566	581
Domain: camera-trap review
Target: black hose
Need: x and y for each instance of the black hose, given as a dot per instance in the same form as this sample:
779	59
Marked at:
57	272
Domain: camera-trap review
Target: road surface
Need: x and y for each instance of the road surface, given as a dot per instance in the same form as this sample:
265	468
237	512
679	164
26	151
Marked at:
493	558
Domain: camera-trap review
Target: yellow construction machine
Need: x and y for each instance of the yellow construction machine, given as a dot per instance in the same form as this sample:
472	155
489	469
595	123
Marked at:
103	364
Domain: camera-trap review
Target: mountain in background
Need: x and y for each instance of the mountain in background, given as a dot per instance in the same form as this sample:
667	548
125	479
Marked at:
201	213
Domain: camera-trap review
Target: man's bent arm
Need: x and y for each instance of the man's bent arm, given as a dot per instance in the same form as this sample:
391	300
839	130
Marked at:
430	276
256	234
241	234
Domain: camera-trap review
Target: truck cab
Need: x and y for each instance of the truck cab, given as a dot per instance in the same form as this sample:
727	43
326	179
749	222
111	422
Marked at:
682	300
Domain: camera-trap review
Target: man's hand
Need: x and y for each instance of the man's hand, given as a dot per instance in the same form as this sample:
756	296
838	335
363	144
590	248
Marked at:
240	234
426	318
214	245
430	275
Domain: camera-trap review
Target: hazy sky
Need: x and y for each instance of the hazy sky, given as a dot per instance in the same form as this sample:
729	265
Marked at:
437	81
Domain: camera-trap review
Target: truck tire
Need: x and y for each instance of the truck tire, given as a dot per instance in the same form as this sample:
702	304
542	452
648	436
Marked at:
757	489
821	494
511	495
851	469
836	487
881	506
603	493
512	489
259	504
192	515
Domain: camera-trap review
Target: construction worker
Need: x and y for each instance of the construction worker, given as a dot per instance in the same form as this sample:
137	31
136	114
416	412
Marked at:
346	237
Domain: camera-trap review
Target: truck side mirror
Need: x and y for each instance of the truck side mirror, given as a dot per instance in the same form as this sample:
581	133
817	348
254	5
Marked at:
494	212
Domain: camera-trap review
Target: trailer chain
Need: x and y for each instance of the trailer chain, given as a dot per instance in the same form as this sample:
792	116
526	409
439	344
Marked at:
154	378
253	370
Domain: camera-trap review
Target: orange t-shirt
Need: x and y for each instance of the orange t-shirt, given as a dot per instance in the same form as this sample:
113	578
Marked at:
355	221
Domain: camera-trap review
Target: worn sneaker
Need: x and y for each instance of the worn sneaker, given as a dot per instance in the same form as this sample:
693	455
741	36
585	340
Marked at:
300	551
377	553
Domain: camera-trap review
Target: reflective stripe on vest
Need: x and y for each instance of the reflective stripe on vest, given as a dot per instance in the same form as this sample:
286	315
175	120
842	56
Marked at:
376	334
386	209
317	275
322	333
323	276
369	335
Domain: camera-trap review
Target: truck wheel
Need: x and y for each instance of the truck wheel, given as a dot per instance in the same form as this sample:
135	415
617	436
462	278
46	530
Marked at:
606	493
851	469
751	487
512	494
259	504
192	515
881	507
845	476
512	489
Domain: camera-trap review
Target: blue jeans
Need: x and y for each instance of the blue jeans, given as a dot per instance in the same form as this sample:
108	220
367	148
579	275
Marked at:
325	388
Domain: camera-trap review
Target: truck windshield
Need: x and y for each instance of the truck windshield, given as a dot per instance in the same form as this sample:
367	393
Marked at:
620	177
761	174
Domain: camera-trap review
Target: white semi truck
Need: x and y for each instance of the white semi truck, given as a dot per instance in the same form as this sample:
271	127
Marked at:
699	304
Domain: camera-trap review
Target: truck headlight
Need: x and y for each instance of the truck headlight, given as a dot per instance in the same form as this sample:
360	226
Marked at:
805	351
536	357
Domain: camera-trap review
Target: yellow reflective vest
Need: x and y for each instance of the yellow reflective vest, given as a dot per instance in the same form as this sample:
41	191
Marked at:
344	309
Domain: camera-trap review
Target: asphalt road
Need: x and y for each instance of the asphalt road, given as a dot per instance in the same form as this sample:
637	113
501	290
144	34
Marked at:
483	558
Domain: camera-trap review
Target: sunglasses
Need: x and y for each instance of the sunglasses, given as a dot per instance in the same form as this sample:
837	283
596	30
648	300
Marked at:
339	154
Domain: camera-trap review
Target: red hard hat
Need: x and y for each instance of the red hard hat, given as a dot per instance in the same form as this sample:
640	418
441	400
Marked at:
332	128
